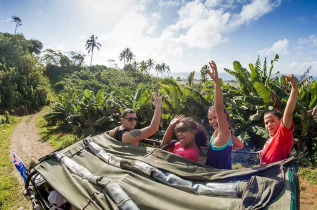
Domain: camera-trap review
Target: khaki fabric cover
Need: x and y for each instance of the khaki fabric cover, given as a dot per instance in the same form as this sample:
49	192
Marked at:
267	186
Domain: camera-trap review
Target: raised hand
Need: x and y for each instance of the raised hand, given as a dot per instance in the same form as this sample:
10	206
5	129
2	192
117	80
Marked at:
157	99
214	73
176	120
291	79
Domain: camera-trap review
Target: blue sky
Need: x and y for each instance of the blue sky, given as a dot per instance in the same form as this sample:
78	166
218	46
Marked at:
184	34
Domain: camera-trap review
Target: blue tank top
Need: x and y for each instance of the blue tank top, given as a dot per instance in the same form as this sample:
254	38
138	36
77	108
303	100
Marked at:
219	157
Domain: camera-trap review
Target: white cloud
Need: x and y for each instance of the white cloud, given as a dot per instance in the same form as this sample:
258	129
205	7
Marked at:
301	67
163	3
280	47
294	64
110	8
219	3
213	3
59	46
253	11
5	20
198	26
201	27
311	40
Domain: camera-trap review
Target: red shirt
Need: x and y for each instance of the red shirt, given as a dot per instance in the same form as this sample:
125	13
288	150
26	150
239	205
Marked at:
279	146
190	153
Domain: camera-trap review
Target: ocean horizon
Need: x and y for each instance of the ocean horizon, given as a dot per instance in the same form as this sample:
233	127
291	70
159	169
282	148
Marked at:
223	75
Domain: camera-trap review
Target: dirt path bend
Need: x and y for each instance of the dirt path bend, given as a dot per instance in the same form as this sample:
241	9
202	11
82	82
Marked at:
27	143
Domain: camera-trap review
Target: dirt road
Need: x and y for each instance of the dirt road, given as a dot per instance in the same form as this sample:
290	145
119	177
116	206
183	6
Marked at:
27	144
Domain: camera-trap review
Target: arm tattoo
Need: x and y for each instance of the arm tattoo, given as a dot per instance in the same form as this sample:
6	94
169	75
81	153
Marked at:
135	132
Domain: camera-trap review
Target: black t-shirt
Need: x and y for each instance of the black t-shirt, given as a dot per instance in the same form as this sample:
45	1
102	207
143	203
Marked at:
118	133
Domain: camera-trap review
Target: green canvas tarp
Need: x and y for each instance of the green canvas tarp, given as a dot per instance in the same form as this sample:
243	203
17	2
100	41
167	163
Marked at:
102	173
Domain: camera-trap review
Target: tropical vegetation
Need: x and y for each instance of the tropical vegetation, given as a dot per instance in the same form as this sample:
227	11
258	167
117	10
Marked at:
22	83
89	99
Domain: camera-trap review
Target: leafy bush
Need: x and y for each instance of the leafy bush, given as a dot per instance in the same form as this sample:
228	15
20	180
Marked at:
5	119
22	84
87	111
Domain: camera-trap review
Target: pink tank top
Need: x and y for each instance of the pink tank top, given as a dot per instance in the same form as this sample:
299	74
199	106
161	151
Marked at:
190	153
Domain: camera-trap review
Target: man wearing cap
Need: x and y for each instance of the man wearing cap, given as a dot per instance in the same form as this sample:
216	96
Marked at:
126	132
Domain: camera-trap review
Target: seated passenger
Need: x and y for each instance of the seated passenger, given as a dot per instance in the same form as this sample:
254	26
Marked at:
280	129
213	121
128	122
191	135
222	141
126	131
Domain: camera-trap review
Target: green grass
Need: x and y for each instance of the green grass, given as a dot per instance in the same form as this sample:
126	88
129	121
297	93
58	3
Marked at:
10	192
56	136
310	174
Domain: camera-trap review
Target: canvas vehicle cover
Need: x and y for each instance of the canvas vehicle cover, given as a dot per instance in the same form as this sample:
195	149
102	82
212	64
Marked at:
102	173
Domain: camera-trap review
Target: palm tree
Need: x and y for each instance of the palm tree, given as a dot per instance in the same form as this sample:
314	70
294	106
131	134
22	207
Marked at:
91	43
127	56
130	56
143	66
18	22
158	69
150	64
135	65
168	70
164	68
122	57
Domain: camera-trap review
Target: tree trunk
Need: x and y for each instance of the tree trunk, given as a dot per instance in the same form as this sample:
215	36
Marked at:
92	52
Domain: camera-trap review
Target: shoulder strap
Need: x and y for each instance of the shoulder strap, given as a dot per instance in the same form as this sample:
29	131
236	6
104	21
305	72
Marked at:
229	143
116	135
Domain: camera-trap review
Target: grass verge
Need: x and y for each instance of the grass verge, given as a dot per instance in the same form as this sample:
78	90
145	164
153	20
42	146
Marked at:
56	135
310	174
10	194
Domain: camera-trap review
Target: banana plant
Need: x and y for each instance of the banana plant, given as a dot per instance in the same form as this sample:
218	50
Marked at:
261	91
257	92
142	105
183	100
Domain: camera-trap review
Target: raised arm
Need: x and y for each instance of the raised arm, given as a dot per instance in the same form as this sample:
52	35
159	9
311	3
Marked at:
223	127
136	135
291	103
169	132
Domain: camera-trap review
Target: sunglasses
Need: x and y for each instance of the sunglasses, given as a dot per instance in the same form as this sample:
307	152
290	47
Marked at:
181	129
131	119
